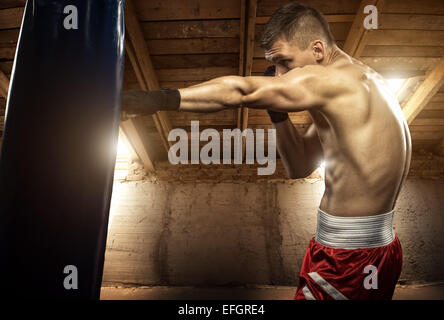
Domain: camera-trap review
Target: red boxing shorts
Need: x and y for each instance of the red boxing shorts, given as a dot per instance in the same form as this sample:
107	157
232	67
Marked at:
358	258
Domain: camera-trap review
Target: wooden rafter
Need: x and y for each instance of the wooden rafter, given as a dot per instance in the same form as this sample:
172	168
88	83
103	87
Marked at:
241	53
357	37
330	18
139	56
132	153
133	132
248	22
407	88
4	85
425	92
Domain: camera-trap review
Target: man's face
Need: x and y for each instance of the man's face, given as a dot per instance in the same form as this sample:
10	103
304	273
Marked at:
287	56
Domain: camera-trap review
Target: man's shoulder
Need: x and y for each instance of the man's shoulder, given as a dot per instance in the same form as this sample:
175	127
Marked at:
354	70
321	74
352	81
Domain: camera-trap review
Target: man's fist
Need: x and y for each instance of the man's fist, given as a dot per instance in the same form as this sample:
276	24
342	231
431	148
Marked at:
139	102
275	116
270	71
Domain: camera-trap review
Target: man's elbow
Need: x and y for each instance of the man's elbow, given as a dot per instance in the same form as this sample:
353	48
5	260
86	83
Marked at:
301	171
299	174
294	175
234	90
236	83
260	98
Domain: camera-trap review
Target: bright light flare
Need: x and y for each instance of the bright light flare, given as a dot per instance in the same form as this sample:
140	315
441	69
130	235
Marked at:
122	148
395	84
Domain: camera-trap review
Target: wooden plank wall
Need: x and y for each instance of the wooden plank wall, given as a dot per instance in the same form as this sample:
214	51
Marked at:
194	40
410	42
11	12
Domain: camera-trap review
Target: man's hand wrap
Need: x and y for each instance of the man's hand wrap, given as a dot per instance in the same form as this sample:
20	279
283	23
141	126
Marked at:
274	115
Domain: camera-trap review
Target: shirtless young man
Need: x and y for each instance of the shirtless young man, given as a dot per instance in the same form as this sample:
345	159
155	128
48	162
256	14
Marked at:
358	129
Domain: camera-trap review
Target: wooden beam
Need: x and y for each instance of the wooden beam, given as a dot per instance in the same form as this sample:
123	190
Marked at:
250	30
425	92
11	18
411	22
191	74
248	22
166	10
331	18
247	31
242	31
407	87
428	122
242	36
434	105
5	4
418	38
187	61
193	45
338	30
134	134
4	85
132	153
394	64
141	61
190	29
403	51
432	7
357	37
268	7
415	128
427	135
439	148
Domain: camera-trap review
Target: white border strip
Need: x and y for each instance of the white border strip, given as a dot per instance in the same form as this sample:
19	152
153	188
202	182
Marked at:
332	291
307	293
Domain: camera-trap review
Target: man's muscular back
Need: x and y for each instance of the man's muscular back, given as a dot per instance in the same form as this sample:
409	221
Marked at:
366	145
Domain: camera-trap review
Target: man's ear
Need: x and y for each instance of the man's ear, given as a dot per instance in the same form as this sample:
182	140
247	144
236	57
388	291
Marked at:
318	50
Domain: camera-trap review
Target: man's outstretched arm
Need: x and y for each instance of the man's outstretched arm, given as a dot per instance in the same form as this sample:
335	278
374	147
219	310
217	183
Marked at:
297	90
300	154
210	96
215	95
285	93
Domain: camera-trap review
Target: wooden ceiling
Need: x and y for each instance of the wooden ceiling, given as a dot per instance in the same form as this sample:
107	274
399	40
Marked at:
177	43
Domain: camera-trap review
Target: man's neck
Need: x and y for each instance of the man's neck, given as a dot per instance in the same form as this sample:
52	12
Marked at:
333	55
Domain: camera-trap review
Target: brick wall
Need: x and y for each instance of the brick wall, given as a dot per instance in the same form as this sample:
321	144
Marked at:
222	225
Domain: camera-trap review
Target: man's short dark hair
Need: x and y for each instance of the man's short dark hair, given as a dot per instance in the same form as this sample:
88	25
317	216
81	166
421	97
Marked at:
296	22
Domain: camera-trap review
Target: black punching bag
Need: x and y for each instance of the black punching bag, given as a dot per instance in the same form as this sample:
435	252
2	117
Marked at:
59	148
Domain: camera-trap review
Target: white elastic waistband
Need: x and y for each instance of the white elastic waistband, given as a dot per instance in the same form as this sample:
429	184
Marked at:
355	232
